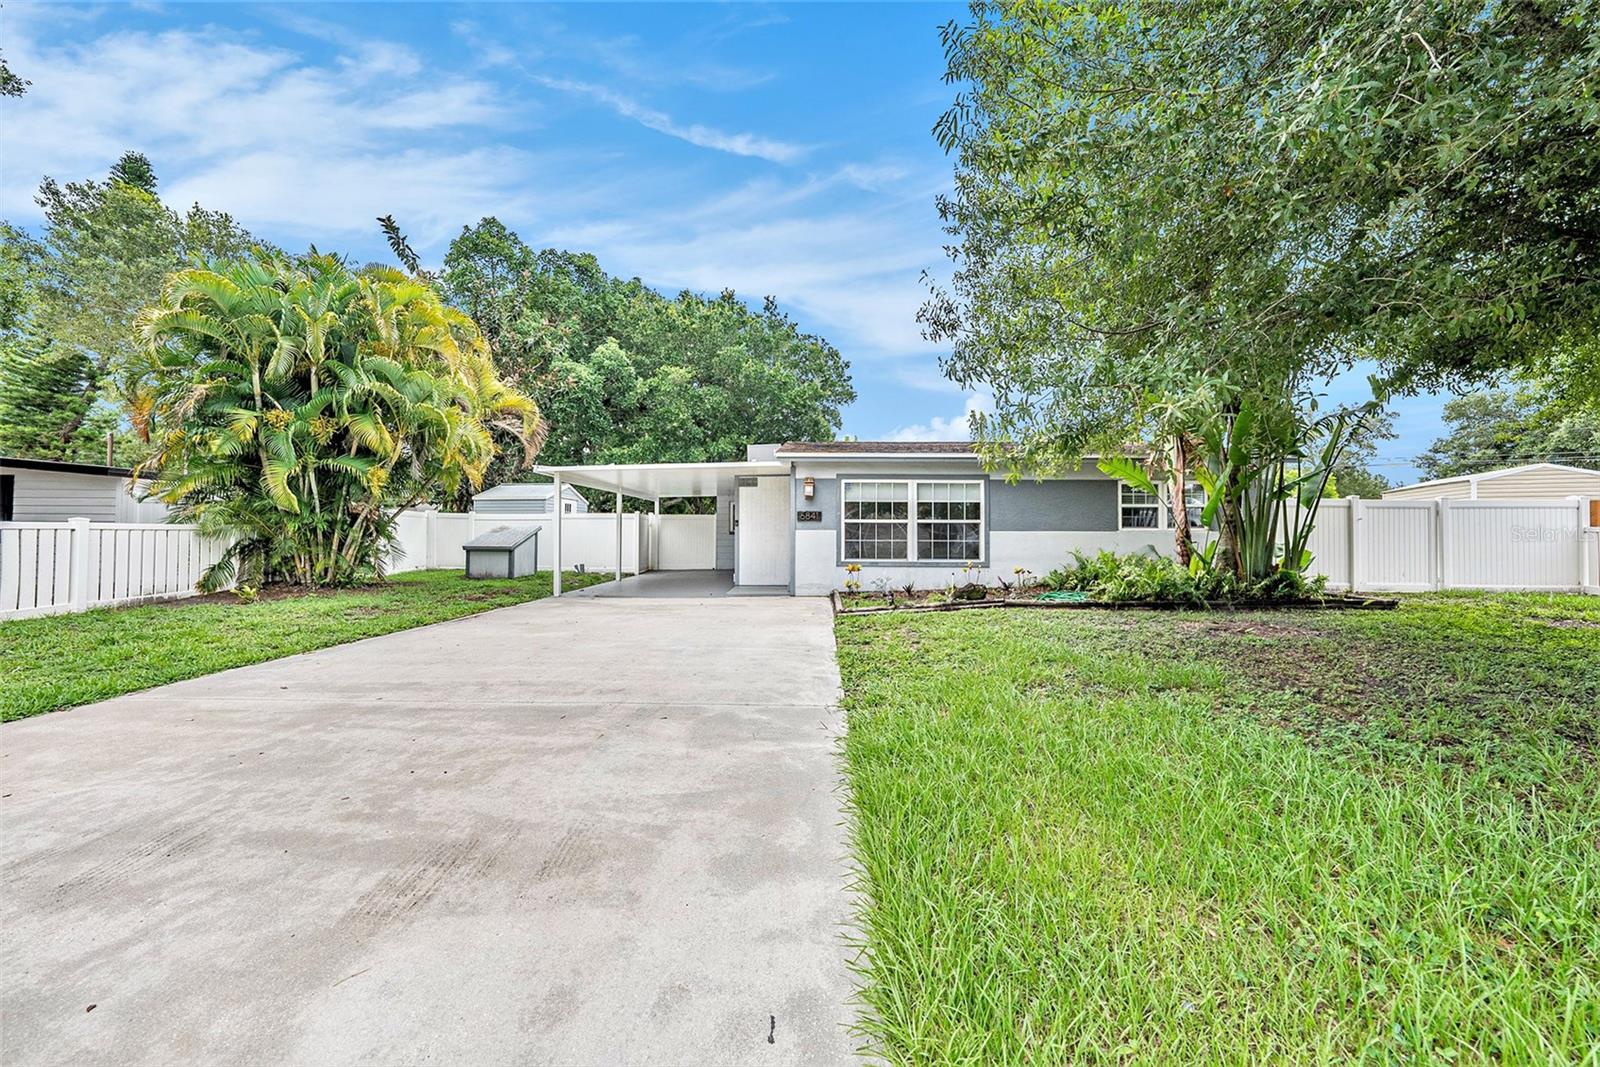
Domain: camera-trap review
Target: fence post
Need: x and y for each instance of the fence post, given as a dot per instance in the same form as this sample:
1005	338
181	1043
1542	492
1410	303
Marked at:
430	539
1445	542
78	575
1581	537
1356	505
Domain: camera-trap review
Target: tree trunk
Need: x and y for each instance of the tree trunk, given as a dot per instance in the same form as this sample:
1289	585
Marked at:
1182	545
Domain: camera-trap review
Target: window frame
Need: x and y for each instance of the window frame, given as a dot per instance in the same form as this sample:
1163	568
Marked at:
912	523
1163	506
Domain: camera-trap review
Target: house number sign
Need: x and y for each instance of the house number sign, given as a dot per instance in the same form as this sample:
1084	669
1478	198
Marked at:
808	516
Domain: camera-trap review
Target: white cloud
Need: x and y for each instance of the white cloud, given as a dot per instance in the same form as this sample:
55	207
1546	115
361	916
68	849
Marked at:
307	150
317	150
739	144
939	428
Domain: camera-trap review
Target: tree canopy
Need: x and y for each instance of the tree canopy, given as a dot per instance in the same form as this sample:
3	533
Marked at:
1216	181
1169	214
69	358
1509	427
625	374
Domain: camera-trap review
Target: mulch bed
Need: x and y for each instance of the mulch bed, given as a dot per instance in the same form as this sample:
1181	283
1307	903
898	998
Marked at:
1330	603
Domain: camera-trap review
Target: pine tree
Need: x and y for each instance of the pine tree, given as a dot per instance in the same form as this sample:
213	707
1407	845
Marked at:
134	169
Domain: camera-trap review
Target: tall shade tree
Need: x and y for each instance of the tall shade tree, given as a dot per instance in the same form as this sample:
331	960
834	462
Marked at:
1509	427
299	406
626	374
69	360
1171	216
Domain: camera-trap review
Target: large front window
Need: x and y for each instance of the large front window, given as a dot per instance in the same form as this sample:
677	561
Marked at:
875	515
913	521
949	520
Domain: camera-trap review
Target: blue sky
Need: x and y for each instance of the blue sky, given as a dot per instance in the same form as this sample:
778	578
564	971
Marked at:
769	149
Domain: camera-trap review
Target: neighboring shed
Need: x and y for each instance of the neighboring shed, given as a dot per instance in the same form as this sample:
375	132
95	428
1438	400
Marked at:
503	552
527	498
1532	481
45	490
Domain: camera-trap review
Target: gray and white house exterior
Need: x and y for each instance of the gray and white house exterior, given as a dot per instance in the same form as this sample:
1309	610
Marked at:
908	513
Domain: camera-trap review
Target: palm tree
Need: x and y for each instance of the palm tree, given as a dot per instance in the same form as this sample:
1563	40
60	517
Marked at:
301	406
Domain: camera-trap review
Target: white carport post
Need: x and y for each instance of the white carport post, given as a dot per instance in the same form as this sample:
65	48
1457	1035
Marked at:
619	535
555	546
655	537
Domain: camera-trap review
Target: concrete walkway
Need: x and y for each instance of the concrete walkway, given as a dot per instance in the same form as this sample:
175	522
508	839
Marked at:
580	831
675	584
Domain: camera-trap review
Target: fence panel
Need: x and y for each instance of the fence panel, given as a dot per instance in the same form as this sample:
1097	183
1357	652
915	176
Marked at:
54	567
1502	544
434	539
687	542
1416	545
1397	545
1329	543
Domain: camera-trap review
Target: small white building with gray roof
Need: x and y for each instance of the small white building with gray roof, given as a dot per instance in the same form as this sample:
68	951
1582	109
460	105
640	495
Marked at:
527	498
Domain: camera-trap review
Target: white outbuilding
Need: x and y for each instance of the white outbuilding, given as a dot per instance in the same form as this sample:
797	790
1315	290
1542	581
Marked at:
48	490
1531	481
527	498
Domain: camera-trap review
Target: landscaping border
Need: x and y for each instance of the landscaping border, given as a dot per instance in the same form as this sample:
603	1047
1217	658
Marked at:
1333	603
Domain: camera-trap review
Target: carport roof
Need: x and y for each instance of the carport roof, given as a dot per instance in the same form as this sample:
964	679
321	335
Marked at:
656	481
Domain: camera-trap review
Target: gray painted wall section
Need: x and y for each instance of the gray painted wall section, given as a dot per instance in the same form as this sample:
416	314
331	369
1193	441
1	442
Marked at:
1076	505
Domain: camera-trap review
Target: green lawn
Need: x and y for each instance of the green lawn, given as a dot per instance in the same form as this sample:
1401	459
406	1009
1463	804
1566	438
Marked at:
64	660
1267	837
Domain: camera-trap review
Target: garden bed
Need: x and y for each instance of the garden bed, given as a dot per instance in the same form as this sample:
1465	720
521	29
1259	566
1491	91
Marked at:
875	604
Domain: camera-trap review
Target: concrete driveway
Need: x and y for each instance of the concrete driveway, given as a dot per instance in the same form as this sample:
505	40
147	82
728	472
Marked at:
592	830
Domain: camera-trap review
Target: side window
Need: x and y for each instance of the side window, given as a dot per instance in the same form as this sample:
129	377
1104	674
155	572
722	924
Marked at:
1139	509
1194	499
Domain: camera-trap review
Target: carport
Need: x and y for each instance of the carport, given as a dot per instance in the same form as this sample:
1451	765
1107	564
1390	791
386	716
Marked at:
767	538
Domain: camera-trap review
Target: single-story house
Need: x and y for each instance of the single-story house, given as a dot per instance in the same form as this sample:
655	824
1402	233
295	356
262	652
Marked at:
47	490
918	513
1531	481
527	498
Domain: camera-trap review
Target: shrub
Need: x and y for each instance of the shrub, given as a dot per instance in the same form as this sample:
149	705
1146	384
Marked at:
1109	577
300	406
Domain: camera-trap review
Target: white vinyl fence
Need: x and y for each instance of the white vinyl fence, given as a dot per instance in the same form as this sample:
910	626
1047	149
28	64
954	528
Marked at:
49	568
1417	545
432	539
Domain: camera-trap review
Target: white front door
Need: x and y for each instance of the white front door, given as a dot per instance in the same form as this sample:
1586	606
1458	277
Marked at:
765	540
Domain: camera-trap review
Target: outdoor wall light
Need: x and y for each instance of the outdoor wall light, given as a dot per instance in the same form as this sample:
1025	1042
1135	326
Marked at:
811	488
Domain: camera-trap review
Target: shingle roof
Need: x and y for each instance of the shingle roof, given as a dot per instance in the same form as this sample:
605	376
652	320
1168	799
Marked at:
887	448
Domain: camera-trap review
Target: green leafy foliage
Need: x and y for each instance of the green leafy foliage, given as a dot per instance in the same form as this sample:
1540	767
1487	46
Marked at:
68	349
1171	217
11	84
1508	427
300	405
1107	576
625	374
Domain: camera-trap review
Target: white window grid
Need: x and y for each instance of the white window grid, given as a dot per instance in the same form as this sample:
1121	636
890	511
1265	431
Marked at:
910	520
1138	510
